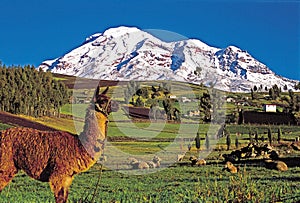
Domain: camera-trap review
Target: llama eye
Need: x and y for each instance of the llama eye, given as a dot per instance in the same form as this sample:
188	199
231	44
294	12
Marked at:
103	101
97	149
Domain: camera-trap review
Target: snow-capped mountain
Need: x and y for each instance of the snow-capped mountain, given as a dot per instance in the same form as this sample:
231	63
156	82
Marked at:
128	53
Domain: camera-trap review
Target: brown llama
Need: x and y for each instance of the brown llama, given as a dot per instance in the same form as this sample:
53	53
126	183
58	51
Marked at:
197	161
230	167
276	165
56	156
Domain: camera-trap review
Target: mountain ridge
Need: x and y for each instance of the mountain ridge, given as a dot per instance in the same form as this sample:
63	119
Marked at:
128	53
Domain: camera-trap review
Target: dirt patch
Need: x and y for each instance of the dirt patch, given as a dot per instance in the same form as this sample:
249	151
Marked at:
17	121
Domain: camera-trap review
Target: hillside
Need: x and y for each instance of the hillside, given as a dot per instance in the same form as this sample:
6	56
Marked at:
18	121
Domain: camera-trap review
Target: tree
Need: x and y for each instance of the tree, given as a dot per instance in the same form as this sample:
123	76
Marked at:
207	144
292	102
256	136
197	141
270	135
166	88
297	101
205	106
297	86
279	135
262	138
253	95
139	102
176	113
131	91
255	88
250	136
274	92
236	142
168	106
228	141
26	90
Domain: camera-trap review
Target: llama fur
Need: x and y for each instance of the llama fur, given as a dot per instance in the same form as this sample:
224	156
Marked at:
180	157
230	167
56	156
138	164
276	165
196	161
155	163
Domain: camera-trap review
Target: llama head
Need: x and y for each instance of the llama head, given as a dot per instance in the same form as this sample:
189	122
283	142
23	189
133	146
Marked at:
103	103
156	159
132	161
95	129
228	165
193	158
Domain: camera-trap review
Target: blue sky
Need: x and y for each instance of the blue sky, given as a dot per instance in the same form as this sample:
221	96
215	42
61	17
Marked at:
32	31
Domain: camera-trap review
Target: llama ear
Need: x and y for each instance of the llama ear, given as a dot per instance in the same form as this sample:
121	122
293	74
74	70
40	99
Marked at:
105	91
96	93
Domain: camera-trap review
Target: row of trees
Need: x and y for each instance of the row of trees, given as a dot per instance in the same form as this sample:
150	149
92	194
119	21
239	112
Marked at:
225	133
275	92
26	90
275	88
293	101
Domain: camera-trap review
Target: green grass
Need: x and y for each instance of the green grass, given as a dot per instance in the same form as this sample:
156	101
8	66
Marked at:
64	124
175	184
140	148
77	110
155	130
289	132
4	126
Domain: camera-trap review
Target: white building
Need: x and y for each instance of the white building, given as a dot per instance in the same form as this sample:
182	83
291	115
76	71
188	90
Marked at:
270	108
184	99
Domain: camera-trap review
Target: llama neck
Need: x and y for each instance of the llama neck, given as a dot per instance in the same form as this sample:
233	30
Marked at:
94	133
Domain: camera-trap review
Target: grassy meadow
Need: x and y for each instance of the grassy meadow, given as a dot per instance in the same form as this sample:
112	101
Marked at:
179	182
174	181
173	184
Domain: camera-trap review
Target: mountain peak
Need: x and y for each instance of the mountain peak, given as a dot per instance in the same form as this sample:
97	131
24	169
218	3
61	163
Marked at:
234	48
119	31
128	53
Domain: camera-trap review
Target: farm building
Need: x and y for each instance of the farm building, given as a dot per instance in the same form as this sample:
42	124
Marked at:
270	108
253	117
172	96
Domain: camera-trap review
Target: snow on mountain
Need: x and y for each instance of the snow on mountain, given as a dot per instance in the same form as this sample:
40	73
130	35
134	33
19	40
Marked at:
127	53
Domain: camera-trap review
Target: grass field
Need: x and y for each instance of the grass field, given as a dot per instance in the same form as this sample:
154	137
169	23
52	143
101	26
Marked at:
174	184
4	126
